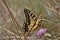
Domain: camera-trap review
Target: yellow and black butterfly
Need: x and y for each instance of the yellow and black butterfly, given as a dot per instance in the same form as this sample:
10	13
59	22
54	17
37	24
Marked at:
32	21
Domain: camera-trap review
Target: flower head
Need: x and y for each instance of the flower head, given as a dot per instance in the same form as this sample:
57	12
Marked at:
41	31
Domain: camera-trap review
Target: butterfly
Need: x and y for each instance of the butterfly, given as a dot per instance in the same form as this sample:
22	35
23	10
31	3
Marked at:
32	21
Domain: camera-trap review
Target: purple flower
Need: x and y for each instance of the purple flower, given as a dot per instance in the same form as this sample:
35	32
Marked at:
41	31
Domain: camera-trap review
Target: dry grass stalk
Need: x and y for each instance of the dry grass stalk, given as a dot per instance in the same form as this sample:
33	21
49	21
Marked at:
14	20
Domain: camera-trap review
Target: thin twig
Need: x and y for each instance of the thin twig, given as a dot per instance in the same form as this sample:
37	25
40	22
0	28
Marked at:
3	18
40	9
42	12
2	30
31	7
8	31
13	18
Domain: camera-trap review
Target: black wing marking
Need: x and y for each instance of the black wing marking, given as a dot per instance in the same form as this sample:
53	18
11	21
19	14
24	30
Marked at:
27	16
25	27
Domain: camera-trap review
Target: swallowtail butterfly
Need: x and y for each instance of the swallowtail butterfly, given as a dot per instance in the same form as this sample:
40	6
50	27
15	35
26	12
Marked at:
32	21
